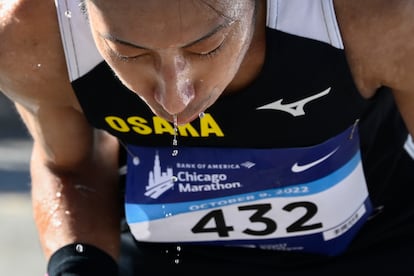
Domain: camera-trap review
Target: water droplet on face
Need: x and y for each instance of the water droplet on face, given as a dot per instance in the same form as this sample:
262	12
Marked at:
58	194
68	14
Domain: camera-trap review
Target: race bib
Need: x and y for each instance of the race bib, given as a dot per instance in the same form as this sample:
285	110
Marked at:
310	199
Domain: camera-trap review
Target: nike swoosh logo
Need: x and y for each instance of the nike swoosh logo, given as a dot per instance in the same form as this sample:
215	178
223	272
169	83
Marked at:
295	108
296	168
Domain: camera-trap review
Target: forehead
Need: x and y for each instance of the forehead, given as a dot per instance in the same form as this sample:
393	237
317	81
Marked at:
153	18
158	11
219	6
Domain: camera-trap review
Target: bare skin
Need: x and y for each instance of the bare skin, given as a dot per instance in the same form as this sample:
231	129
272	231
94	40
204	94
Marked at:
74	168
69	163
173	73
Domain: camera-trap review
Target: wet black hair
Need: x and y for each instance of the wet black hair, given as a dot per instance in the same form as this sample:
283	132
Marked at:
82	5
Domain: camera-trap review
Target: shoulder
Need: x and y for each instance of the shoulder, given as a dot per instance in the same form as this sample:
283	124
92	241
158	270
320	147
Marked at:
379	41
32	62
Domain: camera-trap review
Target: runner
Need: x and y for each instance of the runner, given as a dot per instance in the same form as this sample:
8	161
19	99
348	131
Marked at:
242	136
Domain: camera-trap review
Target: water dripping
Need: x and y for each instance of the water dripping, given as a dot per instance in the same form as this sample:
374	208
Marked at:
79	248
135	161
174	254
68	14
177	259
175	140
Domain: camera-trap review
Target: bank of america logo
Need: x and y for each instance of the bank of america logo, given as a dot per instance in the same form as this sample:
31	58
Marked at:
158	181
248	164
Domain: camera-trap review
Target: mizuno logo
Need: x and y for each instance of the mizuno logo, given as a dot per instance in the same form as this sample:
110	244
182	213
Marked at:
295	108
296	168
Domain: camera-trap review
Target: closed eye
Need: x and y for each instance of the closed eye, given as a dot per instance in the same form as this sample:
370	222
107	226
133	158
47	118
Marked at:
211	53
121	57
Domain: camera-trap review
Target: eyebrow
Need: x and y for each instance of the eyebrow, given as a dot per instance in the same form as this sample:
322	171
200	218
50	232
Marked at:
206	36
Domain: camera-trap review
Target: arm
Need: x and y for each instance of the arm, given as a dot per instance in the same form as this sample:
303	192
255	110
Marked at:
379	43
75	192
73	167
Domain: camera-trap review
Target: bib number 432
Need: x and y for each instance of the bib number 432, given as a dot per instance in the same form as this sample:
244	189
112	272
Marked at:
215	221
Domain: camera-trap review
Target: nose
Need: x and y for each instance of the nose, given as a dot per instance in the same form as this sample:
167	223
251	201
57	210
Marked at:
175	89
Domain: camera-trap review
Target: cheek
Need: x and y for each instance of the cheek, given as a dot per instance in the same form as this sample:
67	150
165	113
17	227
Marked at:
224	67
212	83
123	71
132	77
